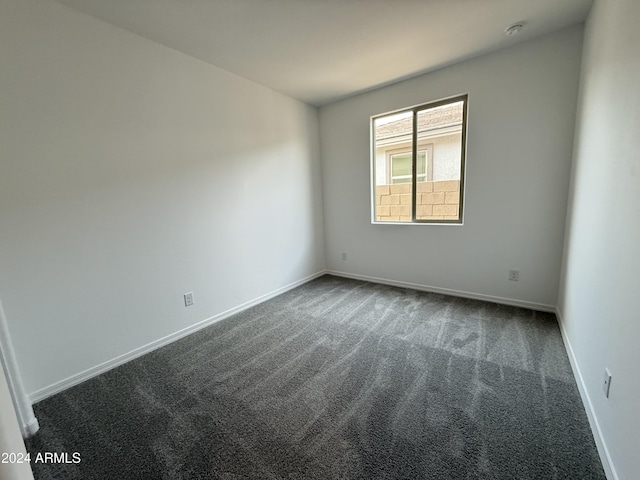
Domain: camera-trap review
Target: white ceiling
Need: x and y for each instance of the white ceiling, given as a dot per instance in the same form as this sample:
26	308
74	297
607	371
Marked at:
321	50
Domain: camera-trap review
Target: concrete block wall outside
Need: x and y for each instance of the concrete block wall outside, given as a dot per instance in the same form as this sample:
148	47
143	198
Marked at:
434	201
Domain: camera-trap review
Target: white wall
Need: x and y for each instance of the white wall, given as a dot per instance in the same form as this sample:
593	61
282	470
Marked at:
521	119
600	285
131	174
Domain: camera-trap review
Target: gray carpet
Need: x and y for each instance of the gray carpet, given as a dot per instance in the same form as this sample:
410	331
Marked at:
337	379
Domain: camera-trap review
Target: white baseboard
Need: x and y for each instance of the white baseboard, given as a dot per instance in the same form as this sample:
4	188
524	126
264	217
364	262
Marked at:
30	428
447	291
124	358
601	445
27	420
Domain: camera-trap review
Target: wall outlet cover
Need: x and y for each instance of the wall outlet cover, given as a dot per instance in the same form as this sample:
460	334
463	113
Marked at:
188	299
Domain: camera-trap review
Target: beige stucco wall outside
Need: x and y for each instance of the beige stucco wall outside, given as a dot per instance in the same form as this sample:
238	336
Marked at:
446	157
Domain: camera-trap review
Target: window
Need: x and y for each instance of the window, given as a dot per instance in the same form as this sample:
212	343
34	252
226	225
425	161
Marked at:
429	189
399	165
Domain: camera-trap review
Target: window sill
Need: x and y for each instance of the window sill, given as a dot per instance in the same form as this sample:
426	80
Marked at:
447	224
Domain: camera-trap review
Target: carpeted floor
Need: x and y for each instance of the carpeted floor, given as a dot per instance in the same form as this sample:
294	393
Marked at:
337	379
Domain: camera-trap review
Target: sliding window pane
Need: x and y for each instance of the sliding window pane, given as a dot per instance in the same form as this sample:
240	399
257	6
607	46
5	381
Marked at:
440	135
393	167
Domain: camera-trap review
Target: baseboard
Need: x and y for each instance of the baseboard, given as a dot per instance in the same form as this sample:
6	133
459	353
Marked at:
138	352
30	428
601	444
447	291
21	402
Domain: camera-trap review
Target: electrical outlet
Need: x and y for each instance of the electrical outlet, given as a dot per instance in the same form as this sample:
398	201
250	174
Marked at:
344	257
606	385
514	275
188	299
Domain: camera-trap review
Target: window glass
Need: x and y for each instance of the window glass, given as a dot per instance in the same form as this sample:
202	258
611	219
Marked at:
431	190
